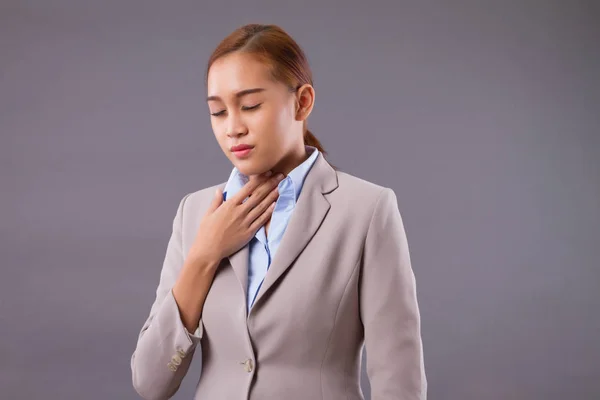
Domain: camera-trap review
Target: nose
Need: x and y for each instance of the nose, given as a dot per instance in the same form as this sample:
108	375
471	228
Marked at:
235	125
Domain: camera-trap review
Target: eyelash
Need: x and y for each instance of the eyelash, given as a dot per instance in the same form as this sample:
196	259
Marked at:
251	108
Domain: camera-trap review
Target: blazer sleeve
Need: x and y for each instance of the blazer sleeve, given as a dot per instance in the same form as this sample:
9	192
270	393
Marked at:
389	309
165	348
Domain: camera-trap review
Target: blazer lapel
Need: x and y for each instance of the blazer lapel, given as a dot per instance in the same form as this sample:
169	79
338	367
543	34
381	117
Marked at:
239	263
309	212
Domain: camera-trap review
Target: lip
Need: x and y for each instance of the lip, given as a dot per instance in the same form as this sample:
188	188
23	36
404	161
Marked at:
242	150
241	147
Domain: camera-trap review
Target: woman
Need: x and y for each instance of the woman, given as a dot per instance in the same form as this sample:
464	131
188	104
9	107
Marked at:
278	277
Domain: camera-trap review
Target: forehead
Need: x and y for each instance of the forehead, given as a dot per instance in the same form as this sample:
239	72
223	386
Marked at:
235	72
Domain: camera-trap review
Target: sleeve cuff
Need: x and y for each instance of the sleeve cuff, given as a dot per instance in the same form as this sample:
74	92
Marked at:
171	326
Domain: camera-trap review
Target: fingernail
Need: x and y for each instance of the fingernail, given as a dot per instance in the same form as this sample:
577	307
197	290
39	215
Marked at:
268	173
280	176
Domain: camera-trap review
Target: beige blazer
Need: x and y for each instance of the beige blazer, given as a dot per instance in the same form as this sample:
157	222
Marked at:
341	279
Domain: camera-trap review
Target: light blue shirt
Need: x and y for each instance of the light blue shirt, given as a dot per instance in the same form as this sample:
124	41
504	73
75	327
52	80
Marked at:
263	249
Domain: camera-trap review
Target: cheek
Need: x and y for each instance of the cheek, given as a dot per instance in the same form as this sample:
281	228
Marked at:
275	121
286	116
219	133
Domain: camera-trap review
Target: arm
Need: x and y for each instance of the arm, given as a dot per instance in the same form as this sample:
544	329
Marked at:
165	346
389	309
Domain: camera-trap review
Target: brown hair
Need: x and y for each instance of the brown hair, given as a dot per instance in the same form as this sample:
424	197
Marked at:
273	45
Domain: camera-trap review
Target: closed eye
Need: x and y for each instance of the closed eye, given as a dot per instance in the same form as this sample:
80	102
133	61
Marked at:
254	107
244	108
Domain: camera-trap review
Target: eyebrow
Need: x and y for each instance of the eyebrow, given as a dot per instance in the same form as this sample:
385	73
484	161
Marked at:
239	94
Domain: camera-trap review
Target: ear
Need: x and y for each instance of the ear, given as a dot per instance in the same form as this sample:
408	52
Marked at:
305	100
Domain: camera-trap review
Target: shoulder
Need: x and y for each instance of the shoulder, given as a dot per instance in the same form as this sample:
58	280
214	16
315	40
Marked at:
197	202
372	208
359	203
204	195
361	192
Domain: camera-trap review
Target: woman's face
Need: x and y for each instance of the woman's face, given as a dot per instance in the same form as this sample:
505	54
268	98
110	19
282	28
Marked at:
248	107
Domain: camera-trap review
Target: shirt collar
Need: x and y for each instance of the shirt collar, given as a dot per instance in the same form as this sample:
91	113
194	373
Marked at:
297	176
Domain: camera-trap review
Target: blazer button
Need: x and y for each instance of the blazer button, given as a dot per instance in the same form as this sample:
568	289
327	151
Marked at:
248	365
172	367
180	352
176	359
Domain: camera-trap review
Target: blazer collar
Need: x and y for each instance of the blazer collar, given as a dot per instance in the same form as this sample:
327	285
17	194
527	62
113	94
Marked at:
310	210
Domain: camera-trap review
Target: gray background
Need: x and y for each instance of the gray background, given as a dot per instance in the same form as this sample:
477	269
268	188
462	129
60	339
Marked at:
483	116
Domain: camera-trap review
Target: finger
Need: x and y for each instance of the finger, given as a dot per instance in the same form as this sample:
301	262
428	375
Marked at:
262	206
262	219
261	192
249	188
216	201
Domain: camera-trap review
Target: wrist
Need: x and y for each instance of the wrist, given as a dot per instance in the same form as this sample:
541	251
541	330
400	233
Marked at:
204	263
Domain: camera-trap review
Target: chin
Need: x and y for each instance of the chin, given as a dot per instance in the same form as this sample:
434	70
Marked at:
249	169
